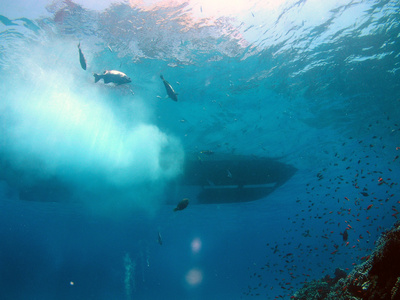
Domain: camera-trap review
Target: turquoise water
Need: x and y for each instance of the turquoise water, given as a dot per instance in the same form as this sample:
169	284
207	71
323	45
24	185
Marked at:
85	166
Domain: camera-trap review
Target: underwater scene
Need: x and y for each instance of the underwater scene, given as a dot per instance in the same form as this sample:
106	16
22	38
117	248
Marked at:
199	149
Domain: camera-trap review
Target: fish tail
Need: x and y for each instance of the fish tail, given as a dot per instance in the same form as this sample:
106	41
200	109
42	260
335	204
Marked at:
96	77
162	77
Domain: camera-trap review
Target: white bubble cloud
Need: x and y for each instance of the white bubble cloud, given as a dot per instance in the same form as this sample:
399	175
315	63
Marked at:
98	141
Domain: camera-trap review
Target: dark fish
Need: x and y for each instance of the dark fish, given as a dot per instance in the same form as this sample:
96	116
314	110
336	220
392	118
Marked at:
170	91
345	235
159	238
182	205
113	76
82	59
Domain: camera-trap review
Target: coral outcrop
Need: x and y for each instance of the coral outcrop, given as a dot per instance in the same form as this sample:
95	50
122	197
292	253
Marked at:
377	278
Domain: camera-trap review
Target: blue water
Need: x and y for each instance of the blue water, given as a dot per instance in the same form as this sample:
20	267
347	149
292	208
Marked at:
315	84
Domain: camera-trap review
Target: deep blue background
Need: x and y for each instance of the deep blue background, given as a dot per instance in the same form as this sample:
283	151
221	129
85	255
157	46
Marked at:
321	96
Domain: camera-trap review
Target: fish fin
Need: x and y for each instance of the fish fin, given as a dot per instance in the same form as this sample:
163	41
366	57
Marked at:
175	209
96	77
162	77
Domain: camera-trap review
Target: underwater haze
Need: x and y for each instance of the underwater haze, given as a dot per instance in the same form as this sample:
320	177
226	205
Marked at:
91	172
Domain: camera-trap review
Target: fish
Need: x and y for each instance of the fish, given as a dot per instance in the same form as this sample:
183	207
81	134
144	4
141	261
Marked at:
159	238
345	235
170	91
82	59
182	204
113	76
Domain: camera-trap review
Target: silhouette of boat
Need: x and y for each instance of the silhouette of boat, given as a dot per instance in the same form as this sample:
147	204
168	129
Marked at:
221	178
206	178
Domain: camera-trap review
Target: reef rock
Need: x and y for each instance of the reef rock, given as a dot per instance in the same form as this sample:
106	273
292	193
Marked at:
377	278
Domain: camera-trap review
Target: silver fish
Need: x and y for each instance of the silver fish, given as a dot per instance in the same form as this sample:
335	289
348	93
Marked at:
159	238
170	91
113	76
82	59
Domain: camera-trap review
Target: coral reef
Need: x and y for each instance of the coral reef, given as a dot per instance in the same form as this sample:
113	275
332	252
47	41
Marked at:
319	289
377	278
